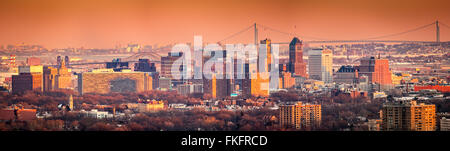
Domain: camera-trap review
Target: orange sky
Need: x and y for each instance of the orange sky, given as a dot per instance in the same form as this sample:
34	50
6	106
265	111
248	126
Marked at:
105	23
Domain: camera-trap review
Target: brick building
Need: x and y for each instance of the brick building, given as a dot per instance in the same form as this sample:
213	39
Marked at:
26	82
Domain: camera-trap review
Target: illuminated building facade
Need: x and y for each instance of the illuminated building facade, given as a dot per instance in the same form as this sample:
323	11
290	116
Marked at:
300	115
26	82
320	64
57	78
296	64
408	116
377	70
106	82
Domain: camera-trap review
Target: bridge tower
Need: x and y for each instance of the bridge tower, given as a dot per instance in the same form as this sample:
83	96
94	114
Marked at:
256	36
438	36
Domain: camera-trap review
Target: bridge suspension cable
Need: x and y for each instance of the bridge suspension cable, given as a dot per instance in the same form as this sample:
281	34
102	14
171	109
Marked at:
401	33
445	25
290	34
235	34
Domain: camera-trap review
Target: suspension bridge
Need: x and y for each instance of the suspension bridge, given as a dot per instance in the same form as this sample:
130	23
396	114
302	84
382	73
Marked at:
154	56
381	39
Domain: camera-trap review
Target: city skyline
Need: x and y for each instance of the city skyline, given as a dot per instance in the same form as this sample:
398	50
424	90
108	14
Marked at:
57	24
224	74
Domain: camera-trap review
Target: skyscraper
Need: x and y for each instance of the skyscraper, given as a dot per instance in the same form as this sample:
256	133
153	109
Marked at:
167	62
29	78
260	84
57	78
49	78
256	81
320	64
217	87
267	56
377	70
246	82
296	64
64	77
210	86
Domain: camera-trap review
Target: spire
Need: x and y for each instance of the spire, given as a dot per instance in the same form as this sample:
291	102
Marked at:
63	63
71	102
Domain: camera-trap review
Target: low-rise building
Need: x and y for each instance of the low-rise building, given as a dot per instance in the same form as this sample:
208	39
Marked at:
147	106
445	124
374	124
94	113
16	113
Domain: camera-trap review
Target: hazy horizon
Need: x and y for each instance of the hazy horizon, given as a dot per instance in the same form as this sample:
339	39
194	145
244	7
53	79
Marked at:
106	23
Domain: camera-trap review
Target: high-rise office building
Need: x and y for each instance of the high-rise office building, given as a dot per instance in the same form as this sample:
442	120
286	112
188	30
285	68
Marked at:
57	78
210	86
29	78
296	64
144	65
64	77
320	64
26	82
167	63
377	70
255	83
268	55
155	80
408	116
49	78
246	82
260	84
217	87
